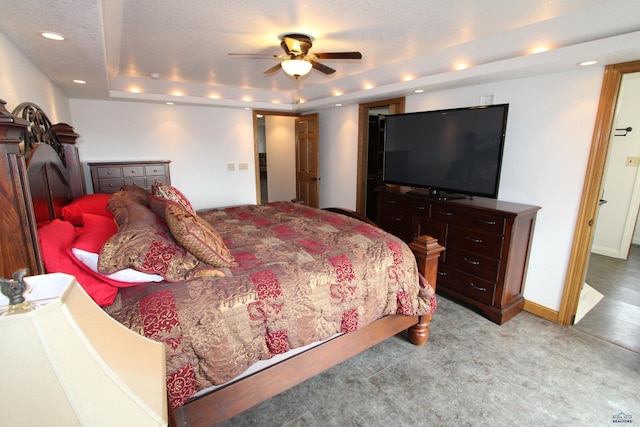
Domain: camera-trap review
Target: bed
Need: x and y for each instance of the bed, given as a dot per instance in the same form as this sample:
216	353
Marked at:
279	279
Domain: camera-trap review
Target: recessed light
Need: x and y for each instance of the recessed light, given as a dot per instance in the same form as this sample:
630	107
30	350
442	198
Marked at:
52	36
592	62
368	86
154	76
80	82
418	91
169	103
338	105
461	66
539	49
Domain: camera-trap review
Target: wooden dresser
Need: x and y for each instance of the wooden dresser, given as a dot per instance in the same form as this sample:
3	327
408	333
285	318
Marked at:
487	245
108	177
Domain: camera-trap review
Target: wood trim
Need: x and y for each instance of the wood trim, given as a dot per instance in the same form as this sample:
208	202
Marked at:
583	235
396	106
541	311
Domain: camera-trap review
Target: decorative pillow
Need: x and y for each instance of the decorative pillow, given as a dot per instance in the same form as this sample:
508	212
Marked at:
89	203
145	244
198	236
55	240
169	192
85	249
137	192
158	205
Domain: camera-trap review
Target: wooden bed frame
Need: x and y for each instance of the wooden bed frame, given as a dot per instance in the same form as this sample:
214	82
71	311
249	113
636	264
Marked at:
35	191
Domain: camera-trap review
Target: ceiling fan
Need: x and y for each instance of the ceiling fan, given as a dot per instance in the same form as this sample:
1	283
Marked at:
298	60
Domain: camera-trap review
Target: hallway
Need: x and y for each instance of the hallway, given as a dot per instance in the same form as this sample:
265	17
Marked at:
616	318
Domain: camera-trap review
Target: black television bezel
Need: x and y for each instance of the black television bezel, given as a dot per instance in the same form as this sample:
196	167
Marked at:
441	192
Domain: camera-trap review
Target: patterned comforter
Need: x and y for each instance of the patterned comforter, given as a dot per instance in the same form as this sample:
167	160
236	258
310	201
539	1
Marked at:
304	275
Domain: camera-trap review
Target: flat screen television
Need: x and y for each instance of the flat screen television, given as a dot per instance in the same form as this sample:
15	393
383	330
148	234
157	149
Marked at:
446	154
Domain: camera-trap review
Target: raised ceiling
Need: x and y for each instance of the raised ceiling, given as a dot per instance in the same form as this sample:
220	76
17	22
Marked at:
116	45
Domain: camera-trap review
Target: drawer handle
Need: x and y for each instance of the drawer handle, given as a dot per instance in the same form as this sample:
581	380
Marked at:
474	240
484	221
442	273
108	172
420	208
477	287
446	213
395	218
110	185
391	202
472	262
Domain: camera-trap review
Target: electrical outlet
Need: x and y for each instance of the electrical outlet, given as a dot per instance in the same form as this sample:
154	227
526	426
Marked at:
632	161
487	99
243	166
231	167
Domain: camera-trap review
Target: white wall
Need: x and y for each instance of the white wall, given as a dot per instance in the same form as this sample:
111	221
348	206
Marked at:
21	81
199	141
281	157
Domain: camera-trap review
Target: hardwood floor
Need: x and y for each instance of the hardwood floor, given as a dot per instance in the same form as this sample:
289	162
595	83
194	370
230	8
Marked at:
616	318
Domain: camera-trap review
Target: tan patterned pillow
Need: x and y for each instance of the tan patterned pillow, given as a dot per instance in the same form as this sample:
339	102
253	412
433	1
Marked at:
198	236
144	243
170	192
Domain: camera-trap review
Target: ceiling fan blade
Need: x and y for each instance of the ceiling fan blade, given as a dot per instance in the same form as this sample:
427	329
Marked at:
273	69
263	55
338	55
322	68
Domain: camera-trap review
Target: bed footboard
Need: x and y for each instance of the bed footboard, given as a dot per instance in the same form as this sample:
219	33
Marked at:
427	251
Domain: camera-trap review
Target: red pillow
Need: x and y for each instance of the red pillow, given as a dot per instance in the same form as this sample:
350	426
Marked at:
55	239
89	203
96	230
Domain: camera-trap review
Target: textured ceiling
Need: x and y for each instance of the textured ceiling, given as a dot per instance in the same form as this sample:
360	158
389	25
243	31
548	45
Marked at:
115	45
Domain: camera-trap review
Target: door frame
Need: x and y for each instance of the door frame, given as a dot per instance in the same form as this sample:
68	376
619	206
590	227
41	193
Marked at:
592	188
396	106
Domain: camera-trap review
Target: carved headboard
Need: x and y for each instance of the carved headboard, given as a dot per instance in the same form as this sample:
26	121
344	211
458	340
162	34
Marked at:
35	182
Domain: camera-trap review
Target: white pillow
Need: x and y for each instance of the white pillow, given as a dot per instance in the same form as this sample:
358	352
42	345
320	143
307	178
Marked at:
127	275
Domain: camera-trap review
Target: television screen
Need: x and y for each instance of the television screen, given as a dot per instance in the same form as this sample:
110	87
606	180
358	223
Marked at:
457	150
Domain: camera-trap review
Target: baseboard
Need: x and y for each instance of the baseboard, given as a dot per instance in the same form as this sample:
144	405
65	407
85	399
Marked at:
542	311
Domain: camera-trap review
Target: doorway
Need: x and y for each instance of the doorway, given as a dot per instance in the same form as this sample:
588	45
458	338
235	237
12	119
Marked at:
592	189
369	168
286	157
274	147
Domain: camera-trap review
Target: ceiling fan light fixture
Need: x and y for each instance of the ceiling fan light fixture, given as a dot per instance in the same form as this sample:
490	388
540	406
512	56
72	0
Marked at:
296	67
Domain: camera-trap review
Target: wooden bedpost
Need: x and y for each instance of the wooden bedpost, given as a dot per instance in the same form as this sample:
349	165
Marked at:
67	137
427	252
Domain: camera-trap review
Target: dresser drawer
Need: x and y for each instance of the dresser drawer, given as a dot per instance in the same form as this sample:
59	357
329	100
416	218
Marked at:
155	171
485	221
129	171
476	265
109	172
465	284
109	185
139	181
471	240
